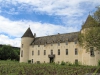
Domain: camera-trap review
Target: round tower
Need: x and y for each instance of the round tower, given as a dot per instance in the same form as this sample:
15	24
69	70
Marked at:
26	40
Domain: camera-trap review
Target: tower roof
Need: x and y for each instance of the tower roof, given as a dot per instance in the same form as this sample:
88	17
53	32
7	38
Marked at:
90	22
28	33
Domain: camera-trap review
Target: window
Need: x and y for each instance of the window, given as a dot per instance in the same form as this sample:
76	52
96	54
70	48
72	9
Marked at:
32	60
76	61
44	52
44	45
66	51
21	53
59	44
75	42
38	45
66	42
51	44
32	53
51	52
91	51
58	51
38	52
76	51
22	45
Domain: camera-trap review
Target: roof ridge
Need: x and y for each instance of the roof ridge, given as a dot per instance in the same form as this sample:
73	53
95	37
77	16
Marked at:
57	34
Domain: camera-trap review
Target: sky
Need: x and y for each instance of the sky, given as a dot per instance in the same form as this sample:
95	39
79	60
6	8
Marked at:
44	17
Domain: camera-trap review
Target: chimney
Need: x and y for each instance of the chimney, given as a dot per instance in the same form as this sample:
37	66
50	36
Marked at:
34	35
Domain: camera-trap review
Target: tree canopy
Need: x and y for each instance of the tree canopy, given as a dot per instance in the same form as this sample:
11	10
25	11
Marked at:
97	14
91	37
7	52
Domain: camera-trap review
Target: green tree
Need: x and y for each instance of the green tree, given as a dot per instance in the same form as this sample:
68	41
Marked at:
90	39
91	36
7	52
97	14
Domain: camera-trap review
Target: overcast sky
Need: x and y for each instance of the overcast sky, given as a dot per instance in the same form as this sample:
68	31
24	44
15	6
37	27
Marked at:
45	17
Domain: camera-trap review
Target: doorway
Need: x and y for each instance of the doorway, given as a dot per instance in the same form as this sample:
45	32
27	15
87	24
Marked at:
51	60
32	60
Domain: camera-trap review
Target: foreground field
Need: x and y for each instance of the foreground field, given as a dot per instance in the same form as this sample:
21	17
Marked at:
15	68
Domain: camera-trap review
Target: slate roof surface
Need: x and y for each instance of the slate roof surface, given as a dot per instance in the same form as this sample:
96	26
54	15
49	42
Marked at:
28	33
59	38
90	22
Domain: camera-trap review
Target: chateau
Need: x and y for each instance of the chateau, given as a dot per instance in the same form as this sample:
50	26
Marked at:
57	48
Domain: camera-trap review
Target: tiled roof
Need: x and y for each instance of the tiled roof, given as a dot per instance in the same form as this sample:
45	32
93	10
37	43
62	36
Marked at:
28	33
59	38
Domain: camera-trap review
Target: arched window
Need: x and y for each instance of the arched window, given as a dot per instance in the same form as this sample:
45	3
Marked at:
21	53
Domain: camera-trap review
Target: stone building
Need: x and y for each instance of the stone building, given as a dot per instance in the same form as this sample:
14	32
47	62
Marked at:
57	48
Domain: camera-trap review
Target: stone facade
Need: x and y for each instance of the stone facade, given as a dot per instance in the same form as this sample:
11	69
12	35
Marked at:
56	48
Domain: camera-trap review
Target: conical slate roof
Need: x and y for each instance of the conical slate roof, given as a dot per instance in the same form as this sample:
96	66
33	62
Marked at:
28	33
90	22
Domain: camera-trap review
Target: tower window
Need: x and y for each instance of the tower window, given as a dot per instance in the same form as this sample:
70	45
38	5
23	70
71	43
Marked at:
66	51
58	51
32	53
91	51
51	52
38	52
22	45
76	51
44	52
21	53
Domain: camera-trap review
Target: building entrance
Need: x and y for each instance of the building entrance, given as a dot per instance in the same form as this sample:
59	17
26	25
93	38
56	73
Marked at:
51	60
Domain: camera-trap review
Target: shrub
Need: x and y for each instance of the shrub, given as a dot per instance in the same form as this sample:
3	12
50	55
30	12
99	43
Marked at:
38	62
63	63
99	63
29	61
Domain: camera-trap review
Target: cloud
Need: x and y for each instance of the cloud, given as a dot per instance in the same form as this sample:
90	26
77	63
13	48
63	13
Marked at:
52	7
71	13
16	29
6	40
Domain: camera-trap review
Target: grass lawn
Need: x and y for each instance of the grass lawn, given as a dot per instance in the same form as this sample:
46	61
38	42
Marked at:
15	68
